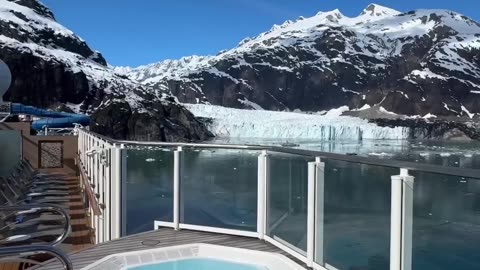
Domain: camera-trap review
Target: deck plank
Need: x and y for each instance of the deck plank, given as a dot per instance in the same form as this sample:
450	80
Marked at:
167	237
80	237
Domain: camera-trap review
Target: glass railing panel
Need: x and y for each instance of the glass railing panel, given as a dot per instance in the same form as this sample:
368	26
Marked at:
287	200
11	146
357	215
446	222
218	188
149	188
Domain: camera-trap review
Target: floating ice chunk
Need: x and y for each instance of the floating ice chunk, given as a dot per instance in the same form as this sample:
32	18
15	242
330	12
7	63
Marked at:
382	154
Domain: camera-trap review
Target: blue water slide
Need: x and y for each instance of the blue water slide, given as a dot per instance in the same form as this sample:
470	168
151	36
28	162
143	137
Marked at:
49	118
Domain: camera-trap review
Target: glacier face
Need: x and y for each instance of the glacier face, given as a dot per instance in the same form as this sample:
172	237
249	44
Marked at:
228	122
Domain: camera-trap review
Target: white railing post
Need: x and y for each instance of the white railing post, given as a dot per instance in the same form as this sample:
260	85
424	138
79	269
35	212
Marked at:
262	179
311	213
115	197
85	149
82	149
107	192
87	157
319	211
79	144
82	156
123	190
177	156
89	169
101	192
401	221
95	178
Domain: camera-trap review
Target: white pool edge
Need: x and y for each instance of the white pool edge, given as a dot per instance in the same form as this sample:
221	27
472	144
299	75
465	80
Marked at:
127	260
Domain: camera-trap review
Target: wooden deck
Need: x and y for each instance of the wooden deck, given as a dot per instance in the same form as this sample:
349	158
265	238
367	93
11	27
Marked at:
166	237
81	235
9	266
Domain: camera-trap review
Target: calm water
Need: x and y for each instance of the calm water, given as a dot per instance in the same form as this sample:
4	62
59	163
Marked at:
446	153
199	264
219	188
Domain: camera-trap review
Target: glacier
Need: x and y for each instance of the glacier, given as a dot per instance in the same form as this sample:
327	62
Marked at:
238	123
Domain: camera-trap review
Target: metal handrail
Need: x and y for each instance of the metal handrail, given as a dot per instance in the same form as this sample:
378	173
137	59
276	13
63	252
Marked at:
94	204
451	171
46	207
24	251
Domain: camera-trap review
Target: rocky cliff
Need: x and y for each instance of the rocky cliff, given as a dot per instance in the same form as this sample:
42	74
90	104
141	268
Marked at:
52	67
437	129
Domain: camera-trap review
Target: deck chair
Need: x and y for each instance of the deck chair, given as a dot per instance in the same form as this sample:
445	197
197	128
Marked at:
28	168
24	193
26	175
36	229
30	216
19	187
14	198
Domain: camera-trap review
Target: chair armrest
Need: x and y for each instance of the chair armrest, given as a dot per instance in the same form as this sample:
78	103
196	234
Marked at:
46	207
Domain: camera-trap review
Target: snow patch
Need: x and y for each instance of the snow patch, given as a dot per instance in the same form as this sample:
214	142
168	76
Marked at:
350	91
383	110
364	107
429	115
247	102
467	112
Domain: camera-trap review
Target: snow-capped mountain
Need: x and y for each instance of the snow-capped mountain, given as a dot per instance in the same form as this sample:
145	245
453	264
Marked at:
423	62
52	67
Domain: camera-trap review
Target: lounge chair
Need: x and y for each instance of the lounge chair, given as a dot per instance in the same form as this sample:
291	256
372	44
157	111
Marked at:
36	229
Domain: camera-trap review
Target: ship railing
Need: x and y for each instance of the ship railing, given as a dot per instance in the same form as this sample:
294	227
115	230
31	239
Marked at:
289	188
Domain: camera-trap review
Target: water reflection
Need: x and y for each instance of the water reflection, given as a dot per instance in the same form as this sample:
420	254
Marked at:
446	222
149	188
287	200
357	215
219	188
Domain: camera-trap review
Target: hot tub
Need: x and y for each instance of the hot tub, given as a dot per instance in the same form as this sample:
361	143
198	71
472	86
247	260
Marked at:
195	257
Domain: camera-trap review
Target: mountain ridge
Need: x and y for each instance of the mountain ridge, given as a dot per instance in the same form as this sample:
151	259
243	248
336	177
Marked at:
425	53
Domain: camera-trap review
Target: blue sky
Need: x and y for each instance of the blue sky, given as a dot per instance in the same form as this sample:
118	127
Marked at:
132	33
